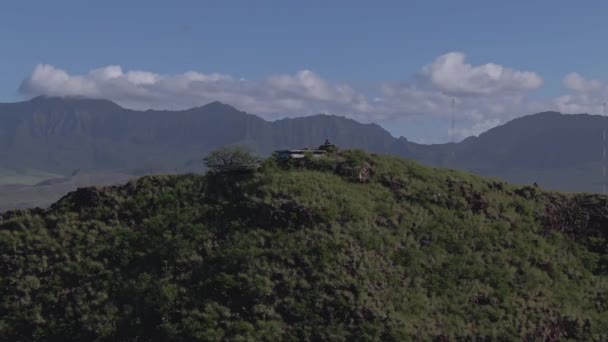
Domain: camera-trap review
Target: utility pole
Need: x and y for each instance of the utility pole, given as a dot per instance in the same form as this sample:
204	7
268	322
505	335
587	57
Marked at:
452	158
604	158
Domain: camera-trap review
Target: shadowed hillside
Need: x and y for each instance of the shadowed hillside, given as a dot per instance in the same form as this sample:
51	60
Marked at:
351	246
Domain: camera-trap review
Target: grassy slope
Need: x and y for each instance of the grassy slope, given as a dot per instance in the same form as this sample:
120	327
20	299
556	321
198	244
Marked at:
308	253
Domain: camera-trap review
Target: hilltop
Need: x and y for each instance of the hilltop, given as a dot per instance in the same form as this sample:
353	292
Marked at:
350	246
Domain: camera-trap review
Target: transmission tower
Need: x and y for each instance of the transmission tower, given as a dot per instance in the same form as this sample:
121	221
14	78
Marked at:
604	156
451	156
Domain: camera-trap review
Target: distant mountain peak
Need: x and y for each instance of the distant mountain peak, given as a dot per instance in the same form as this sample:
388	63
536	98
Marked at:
217	105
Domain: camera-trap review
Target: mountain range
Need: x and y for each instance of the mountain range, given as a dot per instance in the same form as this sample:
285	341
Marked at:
50	144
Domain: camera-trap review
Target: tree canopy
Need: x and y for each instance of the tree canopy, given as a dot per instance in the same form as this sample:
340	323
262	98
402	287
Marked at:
231	158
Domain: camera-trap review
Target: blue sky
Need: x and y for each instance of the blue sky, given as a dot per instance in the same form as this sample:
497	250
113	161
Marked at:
360	45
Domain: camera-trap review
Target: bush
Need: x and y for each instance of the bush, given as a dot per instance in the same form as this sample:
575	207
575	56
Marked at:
231	157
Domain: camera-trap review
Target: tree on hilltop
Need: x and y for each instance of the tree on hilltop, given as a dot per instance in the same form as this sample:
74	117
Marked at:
229	158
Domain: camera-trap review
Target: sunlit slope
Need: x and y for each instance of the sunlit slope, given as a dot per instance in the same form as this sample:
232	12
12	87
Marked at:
348	247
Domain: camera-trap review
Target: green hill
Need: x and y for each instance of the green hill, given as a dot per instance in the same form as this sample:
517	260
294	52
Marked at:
346	247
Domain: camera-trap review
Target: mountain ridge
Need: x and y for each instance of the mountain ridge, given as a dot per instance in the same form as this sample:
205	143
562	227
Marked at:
41	118
58	135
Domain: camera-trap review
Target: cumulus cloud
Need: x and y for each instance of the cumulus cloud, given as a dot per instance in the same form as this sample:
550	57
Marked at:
486	95
302	93
574	81
585	95
452	75
48	80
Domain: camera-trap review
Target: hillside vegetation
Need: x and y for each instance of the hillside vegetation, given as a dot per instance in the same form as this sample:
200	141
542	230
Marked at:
346	247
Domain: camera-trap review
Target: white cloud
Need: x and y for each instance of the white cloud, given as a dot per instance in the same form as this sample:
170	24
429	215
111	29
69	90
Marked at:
280	95
104	74
587	95
48	80
576	82
486	95
450	74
